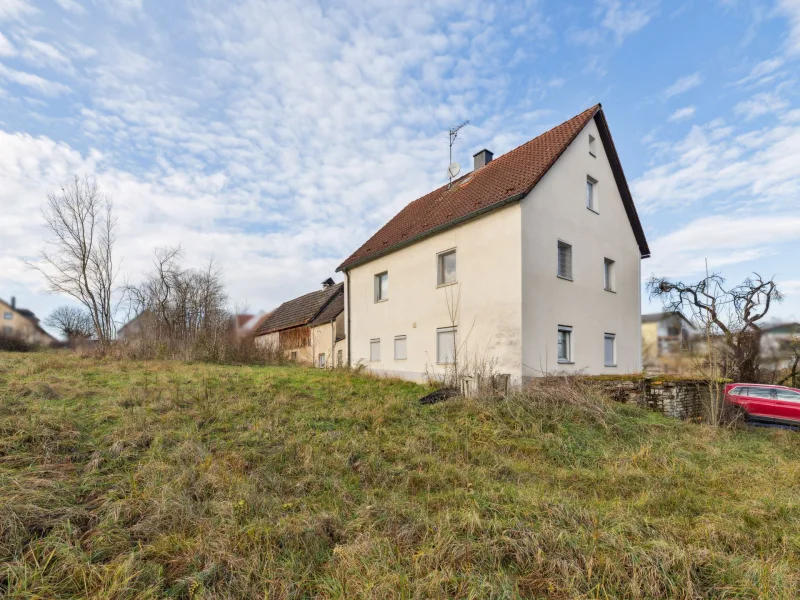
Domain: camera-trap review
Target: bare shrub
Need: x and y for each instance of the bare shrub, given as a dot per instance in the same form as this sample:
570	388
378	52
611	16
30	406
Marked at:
13	343
72	322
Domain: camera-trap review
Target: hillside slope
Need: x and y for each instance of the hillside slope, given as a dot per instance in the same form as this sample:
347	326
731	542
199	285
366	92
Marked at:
136	480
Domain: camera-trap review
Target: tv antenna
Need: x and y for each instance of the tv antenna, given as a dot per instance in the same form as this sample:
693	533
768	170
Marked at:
454	168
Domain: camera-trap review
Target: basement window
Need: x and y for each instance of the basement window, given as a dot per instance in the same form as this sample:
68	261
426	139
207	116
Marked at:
564	344
400	348
446	345
321	361
610	350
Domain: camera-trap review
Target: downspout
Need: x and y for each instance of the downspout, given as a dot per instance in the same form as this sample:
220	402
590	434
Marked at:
347	288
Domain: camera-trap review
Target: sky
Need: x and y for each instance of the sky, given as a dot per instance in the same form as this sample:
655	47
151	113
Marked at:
276	137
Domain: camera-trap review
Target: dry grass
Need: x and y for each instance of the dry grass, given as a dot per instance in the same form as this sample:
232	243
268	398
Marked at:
152	479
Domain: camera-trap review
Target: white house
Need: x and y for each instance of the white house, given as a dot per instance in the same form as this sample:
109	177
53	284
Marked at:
530	262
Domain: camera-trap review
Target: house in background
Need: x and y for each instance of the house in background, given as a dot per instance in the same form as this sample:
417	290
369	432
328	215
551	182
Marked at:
668	343
776	351
309	329
21	323
530	263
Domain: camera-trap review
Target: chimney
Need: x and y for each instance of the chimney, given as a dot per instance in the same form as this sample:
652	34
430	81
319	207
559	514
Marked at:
13	303
327	283
482	158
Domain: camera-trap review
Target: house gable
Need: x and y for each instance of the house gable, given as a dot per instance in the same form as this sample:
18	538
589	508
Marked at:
504	180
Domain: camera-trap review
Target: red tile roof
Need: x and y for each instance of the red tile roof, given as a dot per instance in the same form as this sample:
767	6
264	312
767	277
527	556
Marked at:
300	311
504	180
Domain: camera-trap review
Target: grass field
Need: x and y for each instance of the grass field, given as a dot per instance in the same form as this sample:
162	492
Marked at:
143	480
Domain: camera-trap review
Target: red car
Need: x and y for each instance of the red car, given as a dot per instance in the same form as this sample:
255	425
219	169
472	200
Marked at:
766	403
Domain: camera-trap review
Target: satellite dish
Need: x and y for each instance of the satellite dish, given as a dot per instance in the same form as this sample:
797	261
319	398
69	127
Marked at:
454	169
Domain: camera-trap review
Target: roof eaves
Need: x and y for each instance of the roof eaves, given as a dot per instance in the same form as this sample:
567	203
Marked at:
425	234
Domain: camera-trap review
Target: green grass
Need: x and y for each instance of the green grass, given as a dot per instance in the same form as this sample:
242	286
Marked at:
143	480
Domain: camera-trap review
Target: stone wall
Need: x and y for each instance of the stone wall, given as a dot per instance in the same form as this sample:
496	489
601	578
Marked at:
681	398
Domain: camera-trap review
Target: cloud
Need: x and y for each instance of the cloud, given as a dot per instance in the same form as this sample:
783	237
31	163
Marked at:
682	114
759	73
32	82
11	10
760	104
791	10
722	241
71	6
723	167
625	19
617	19
6	47
684	84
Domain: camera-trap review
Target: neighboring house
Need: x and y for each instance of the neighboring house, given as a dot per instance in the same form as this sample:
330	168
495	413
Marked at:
306	327
246	325
530	264
135	327
776	350
668	341
23	324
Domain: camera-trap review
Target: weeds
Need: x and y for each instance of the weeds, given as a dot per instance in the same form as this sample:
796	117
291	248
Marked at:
199	481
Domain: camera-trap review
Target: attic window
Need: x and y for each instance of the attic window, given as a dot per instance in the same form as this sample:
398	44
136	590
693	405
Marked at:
592	146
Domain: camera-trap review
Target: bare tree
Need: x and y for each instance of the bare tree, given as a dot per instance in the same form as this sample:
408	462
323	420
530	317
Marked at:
183	309
731	315
79	258
72	322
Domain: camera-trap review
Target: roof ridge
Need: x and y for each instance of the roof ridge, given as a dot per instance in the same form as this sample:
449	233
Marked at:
513	175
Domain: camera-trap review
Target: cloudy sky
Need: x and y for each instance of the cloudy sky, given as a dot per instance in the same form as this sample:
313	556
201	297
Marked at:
277	136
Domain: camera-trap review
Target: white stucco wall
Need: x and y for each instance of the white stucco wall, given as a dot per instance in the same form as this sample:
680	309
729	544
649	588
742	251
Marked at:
556	210
323	341
487	296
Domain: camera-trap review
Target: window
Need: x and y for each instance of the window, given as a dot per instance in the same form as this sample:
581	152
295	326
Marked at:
591	194
564	344
294	355
375	349
447	268
446	345
738	391
608	275
609	350
400	347
7	329
8	316
382	286
592	146
339	361
788	395
759	392
564	260
321	361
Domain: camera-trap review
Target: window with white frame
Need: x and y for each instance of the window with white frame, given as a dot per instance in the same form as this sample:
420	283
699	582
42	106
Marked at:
610	350
446	269
564	344
592	146
7	329
400	347
8	316
591	194
321	361
375	349
564	260
446	345
608	275
382	286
